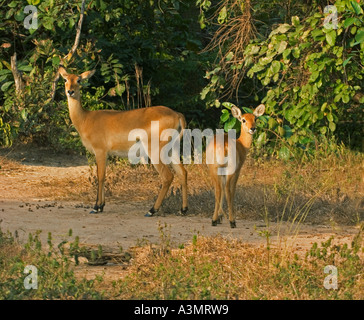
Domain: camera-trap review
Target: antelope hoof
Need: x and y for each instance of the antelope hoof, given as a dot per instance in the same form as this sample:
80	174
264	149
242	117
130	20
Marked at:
97	209
232	224
183	211
214	223
219	220
150	213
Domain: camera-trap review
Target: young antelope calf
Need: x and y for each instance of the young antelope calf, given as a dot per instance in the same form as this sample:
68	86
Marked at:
225	176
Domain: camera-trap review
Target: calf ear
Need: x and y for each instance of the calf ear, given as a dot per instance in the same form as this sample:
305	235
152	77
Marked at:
87	75
236	112
62	71
259	110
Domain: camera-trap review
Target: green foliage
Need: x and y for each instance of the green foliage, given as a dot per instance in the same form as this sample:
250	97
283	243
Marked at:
221	269
56	279
311	73
308	75
117	37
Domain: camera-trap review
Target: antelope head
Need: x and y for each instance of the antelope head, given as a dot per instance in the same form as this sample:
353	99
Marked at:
248	119
73	82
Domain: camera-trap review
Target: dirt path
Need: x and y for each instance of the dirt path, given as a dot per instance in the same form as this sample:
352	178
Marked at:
31	199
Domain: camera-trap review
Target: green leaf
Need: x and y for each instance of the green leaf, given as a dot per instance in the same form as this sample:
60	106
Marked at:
229	56
331	37
13	4
359	38
262	138
24	114
346	61
296	52
284	153
254	49
5	71
247	110
256	68
358	10
317	34
288	131
332	126
276	66
215	78
56	60
19	16
346	98
204	92
228	105
230	124
314	76
225	116
272	123
120	89
349	21
48	23
295	21
264	118
265	60
282	47
286	53
323	130
6	85
222	15
283	28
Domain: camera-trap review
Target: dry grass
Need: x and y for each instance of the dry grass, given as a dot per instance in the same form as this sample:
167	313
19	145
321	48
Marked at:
230	40
322	190
332	186
219	268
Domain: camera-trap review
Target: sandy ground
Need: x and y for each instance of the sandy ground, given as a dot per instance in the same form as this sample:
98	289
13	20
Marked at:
24	210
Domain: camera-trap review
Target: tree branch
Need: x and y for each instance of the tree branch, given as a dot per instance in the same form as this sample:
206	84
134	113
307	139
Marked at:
69	56
19	83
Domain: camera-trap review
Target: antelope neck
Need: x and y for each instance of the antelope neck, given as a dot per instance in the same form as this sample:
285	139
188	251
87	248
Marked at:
77	113
245	139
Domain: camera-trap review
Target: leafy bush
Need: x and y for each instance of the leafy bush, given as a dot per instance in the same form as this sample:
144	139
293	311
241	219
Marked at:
312	74
119	39
56	278
309	77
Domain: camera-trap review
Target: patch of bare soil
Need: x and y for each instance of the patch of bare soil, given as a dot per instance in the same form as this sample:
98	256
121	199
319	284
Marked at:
44	190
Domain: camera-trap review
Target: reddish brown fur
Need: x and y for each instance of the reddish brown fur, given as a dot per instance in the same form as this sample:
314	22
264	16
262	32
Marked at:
226	185
104	132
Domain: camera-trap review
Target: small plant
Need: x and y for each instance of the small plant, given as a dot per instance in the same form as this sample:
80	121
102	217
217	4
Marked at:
55	276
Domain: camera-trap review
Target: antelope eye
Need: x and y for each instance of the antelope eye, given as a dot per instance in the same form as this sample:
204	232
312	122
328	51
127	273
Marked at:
79	81
244	120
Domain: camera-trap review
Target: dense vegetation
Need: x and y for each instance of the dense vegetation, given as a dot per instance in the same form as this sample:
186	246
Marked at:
302	59
189	55
217	269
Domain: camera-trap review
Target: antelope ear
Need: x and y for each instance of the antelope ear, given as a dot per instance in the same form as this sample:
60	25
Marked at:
236	112
87	75
259	110
62	71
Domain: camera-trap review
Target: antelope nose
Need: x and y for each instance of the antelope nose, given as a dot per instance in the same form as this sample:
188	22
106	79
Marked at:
252	130
71	92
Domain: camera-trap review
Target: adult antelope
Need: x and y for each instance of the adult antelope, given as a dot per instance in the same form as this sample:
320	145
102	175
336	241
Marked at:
234	153
106	132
